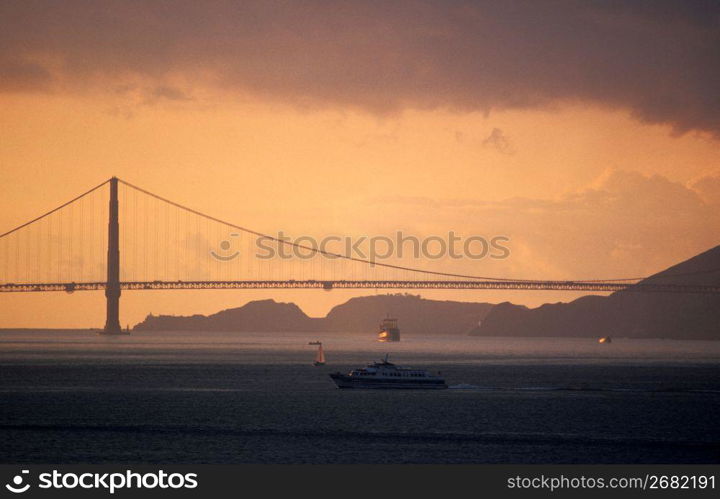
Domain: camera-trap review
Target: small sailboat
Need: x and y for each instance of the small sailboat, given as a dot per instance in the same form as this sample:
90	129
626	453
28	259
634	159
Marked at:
320	356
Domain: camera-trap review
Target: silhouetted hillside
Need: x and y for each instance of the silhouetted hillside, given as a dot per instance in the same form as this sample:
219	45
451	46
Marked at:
260	316
624	313
416	316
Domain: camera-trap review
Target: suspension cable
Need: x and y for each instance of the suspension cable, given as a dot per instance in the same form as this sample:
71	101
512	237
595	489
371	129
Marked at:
53	211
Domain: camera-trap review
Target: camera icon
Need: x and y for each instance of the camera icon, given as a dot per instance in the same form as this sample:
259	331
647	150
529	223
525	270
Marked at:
16	486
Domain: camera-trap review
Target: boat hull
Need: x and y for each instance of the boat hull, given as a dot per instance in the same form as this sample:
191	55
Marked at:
344	381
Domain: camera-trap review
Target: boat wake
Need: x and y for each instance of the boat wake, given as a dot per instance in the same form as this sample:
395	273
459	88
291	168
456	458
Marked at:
476	388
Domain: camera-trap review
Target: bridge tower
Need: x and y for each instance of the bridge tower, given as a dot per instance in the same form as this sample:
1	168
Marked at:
112	285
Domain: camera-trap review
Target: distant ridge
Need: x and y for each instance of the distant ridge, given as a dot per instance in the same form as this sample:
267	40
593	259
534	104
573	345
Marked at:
417	316
624	313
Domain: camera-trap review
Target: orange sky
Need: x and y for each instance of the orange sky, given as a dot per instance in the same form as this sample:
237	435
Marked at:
585	187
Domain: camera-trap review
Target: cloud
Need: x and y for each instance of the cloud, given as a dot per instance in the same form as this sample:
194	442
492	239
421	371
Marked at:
499	141
166	92
23	76
623	223
708	187
658	60
131	96
170	93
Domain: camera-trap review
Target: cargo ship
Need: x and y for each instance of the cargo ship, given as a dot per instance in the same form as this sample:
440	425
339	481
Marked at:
389	330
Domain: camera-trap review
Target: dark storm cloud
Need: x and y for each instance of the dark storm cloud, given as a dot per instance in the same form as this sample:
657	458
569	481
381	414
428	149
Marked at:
658	59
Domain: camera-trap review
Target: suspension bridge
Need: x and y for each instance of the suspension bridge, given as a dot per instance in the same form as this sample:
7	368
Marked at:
147	242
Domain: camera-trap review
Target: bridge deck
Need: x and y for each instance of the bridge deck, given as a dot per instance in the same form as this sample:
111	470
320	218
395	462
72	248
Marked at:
367	284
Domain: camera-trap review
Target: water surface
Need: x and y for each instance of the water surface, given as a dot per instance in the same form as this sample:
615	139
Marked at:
185	397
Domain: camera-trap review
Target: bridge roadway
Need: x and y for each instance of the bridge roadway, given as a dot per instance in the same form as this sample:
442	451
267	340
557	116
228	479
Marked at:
368	284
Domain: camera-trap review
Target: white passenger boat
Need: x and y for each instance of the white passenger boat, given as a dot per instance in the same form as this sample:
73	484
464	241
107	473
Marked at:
386	375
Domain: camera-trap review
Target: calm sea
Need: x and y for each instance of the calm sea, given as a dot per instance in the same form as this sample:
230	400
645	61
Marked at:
76	397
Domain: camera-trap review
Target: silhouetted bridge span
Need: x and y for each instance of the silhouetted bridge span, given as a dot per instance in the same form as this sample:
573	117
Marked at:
164	245
368	284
